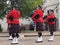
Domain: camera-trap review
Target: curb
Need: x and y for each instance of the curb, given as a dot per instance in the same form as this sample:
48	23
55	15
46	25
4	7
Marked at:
31	35
37	35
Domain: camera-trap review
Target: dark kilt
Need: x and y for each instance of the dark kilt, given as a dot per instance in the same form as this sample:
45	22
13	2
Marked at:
39	26
15	28
52	27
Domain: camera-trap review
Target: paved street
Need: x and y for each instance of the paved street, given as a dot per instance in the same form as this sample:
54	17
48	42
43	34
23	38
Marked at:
30	40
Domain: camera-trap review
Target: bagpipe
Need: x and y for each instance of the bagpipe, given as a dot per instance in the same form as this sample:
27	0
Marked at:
52	20
37	16
11	17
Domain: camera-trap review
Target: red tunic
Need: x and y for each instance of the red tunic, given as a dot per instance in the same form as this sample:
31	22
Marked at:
16	15
49	17
40	19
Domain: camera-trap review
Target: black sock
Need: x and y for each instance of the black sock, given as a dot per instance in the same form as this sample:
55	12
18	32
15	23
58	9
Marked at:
13	35
40	34
51	33
10	34
17	35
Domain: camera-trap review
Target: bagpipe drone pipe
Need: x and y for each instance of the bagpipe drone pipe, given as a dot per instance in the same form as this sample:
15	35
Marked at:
52	20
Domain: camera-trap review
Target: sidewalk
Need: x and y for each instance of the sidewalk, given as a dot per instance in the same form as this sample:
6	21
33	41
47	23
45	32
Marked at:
32	34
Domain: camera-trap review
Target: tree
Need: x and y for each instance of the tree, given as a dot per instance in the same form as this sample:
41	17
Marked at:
27	6
2	9
3	0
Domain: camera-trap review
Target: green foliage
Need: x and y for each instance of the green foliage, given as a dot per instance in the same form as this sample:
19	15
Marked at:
27	6
3	0
2	9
